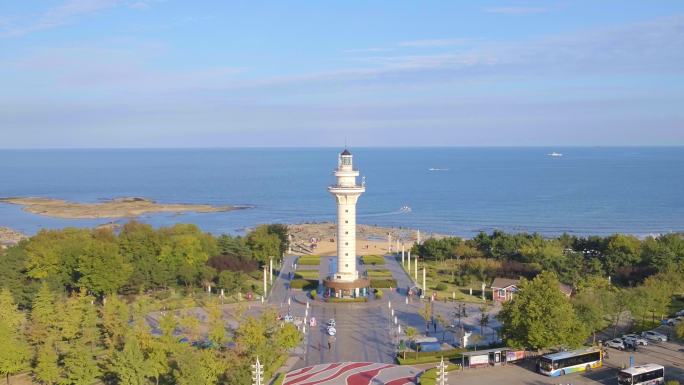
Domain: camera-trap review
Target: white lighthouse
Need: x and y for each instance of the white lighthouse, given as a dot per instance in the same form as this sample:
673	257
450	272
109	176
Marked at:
345	280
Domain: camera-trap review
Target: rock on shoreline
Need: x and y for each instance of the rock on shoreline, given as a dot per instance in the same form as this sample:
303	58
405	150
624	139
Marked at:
125	207
10	237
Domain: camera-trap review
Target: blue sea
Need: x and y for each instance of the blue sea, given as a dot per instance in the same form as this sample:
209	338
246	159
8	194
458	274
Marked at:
600	190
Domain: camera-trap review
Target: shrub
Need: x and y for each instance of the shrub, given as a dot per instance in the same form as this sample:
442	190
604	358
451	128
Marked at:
279	379
357	299
314	294
309	260
379	273
427	357
306	284
373	260
441	286
378	294
307	274
232	263
383	283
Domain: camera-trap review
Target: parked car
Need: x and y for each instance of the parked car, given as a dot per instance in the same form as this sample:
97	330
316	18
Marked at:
636	338
288	318
654	336
671	322
680	313
616	343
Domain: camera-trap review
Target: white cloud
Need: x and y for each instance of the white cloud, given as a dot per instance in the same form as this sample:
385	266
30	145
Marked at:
66	13
433	42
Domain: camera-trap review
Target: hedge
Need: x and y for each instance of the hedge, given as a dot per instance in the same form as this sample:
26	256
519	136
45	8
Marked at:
307	274
373	260
383	283
379	273
278	380
427	357
309	260
306	284
357	299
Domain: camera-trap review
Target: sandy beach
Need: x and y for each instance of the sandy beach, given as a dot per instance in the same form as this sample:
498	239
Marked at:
369	239
127	207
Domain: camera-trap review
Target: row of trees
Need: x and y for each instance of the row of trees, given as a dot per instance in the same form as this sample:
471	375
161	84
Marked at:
623	257
540	316
137	259
74	340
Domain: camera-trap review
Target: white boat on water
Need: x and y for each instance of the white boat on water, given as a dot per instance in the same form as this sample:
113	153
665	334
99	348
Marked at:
555	154
438	169
405	209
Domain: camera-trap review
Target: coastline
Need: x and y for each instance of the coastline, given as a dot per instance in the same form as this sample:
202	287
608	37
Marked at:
9	236
124	207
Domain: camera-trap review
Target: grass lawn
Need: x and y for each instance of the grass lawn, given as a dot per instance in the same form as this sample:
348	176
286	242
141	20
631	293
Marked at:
379	274
432	279
373	260
309	260
307	274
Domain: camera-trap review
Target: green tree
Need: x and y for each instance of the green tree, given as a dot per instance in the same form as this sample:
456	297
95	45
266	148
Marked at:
79	366
287	337
44	316
622	250
47	370
263	243
411	333
158	360
102	268
541	316
115	321
679	330
217	328
14	351
129	364
196	367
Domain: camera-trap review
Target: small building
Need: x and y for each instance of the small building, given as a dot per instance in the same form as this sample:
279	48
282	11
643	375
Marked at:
503	289
490	357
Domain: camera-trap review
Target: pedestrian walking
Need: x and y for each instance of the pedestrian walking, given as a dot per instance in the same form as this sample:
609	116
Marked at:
434	325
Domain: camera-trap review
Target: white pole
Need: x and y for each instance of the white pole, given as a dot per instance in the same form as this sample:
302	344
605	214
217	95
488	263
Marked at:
265	284
270	271
402	255
415	269
424	287
409	263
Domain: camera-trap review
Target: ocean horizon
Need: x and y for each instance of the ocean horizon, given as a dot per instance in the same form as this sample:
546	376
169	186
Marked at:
596	190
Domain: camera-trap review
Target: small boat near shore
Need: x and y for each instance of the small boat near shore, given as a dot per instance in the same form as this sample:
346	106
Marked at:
405	209
555	154
438	169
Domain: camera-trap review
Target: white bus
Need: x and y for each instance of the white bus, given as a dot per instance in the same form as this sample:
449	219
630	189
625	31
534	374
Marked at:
649	374
562	363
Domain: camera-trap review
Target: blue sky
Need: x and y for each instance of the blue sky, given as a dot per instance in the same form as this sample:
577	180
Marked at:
170	73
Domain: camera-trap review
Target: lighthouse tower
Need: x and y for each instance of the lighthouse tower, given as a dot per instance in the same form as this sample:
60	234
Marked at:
346	281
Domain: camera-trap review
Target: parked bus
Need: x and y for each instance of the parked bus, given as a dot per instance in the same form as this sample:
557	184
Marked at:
649	374
562	363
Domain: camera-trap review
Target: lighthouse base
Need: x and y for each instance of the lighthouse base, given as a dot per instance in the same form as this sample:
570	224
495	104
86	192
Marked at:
346	289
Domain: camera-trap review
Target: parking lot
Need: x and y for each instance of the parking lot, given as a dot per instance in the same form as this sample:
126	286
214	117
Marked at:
668	354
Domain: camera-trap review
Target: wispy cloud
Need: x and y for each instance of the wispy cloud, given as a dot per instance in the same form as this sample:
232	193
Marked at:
368	50
66	13
433	42
516	10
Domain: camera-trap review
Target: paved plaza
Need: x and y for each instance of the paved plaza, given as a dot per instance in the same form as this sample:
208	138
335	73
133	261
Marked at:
352	373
